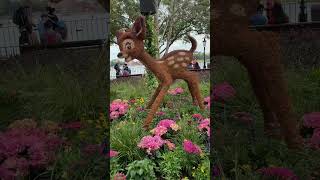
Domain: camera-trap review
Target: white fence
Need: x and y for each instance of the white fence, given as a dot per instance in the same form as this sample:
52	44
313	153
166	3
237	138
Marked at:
80	28
292	9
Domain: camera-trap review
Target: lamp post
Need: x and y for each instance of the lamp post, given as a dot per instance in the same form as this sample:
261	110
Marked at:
302	14
204	53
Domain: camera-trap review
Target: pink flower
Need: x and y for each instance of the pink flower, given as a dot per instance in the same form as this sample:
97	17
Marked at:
166	123
170	145
179	90
159	130
119	176
114	115
161	113
197	116
312	120
243	117
72	125
151	143
176	91
191	148
315	139
207	100
278	172
7	174
113	153
205	125
223	92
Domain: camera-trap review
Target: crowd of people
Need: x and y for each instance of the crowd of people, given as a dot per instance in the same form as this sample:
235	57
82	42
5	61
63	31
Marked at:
51	29
276	15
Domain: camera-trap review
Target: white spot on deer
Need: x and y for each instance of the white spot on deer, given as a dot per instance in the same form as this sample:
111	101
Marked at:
184	65
170	58
159	62
176	66
182	53
180	59
187	58
170	63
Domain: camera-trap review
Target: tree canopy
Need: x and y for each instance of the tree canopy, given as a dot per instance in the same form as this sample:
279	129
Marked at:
175	18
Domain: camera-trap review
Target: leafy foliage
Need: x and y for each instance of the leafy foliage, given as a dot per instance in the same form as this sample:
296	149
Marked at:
141	170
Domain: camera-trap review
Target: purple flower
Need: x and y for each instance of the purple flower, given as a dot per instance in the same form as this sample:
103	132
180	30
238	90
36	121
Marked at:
312	120
223	92
278	172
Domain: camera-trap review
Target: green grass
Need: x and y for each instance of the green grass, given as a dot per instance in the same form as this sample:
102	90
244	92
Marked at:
238	155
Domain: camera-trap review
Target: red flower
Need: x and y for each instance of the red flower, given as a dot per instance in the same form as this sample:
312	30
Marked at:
223	92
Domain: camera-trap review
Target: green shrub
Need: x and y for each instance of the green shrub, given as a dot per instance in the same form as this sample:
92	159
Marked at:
141	170
170	165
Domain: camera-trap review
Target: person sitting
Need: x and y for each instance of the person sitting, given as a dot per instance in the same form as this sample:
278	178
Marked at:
118	70
51	36
259	18
196	65
278	16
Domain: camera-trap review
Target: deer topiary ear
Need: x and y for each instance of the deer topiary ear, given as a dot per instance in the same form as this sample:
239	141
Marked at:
139	27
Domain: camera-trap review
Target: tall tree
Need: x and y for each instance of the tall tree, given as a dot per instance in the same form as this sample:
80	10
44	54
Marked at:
175	18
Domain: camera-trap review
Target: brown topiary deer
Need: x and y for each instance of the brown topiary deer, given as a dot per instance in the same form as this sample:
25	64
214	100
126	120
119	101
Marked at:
260	53
170	67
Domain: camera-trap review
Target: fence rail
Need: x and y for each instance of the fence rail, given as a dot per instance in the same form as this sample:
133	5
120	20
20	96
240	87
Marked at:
79	30
292	9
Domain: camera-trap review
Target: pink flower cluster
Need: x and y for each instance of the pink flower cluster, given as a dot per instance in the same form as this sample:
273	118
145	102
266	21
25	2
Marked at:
191	148
119	176
24	149
151	143
113	153
118	108
207	102
312	120
176	91
223	92
197	117
204	124
163	127
278	172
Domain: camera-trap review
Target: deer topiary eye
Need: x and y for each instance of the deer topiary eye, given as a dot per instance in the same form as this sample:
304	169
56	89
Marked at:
128	44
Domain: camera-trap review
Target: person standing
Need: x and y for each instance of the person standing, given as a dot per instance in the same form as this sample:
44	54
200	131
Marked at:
259	18
117	68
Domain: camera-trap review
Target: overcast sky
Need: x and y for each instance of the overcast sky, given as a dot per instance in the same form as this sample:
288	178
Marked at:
179	44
